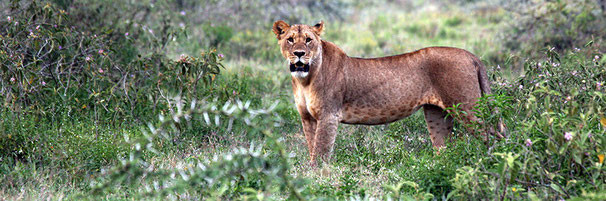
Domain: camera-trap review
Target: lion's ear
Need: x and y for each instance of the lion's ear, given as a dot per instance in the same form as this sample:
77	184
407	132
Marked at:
319	28
280	27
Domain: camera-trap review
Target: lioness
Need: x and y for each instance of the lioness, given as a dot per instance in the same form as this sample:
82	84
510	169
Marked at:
330	87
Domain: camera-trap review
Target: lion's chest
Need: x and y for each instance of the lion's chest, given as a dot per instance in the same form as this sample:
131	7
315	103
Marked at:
308	102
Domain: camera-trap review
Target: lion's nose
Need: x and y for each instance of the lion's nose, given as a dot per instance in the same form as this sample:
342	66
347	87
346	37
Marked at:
299	53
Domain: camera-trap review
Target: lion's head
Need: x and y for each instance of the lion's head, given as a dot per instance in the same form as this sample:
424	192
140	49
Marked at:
300	44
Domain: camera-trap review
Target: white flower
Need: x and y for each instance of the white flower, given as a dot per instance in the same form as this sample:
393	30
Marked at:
568	136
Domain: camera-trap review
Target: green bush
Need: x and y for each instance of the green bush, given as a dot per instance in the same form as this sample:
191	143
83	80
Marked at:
241	173
564	25
62	85
556	148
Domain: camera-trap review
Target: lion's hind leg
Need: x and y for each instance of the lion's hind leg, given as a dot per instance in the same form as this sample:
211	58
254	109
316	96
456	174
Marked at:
438	124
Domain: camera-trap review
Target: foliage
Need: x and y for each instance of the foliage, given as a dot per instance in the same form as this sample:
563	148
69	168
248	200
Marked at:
563	24
417	195
557	151
242	172
60	84
44	58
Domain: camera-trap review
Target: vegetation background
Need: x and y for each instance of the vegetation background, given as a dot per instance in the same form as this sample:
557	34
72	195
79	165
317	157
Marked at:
189	100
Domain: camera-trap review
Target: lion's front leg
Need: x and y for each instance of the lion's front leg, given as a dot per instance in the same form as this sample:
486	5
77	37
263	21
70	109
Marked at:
309	129
325	138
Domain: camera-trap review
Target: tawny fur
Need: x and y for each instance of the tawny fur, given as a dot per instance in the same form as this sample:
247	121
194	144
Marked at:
344	89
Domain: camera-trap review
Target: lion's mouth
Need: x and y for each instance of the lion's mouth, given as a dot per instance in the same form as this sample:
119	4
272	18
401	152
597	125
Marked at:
299	66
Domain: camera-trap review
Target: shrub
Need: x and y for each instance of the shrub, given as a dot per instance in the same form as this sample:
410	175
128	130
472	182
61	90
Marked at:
557	148
562	25
244	172
55	76
47	61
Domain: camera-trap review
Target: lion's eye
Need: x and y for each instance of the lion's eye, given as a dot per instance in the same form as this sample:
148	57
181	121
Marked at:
290	40
308	40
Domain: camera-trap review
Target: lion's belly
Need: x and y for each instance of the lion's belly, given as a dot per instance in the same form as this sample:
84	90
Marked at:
376	115
385	107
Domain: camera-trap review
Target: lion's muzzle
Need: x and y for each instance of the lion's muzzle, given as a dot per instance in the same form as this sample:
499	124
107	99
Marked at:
299	66
299	69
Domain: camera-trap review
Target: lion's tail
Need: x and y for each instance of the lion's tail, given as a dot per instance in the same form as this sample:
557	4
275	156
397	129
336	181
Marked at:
485	89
